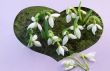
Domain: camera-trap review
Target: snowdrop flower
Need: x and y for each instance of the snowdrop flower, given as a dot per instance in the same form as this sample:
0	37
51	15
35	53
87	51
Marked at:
94	27
90	56
34	24
61	50
77	31
69	64
67	37
70	15
51	19
35	42
53	39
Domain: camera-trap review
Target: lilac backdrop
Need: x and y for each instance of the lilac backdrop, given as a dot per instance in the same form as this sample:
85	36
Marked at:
14	56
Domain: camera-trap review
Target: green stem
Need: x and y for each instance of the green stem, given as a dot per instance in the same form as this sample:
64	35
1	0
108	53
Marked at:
75	22
87	66
87	16
79	63
75	11
58	44
48	13
94	20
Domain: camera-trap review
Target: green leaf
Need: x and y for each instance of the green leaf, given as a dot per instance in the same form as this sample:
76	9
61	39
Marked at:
30	43
79	11
43	34
89	19
75	22
87	16
95	19
37	17
75	11
46	28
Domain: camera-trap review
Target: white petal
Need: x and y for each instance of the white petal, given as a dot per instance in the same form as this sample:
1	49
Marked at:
72	36
33	19
39	27
65	40
91	56
68	68
69	64
90	26
73	15
80	27
37	43
49	41
71	27
34	38
55	15
65	48
46	17
55	38
99	27
94	29
92	60
61	50
68	18
32	25
78	33
57	50
51	22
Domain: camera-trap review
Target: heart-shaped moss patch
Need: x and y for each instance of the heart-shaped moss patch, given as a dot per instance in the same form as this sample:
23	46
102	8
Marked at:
58	34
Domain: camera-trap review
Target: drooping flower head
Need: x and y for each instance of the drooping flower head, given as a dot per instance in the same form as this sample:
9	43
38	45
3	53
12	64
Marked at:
51	19
69	64
34	41
70	15
61	50
67	36
90	56
94	28
34	24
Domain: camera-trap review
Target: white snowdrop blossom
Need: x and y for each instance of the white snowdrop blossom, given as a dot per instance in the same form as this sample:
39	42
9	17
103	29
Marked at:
70	16
35	42
51	19
67	37
69	64
91	56
77	31
94	28
34	24
61	50
53	39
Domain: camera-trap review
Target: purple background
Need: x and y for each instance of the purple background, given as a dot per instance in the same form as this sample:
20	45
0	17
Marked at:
14	56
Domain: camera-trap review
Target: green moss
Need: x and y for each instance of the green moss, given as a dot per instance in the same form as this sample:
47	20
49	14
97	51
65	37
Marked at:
23	19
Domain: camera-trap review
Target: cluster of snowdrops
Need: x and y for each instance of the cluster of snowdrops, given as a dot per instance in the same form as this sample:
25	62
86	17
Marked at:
52	39
87	21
